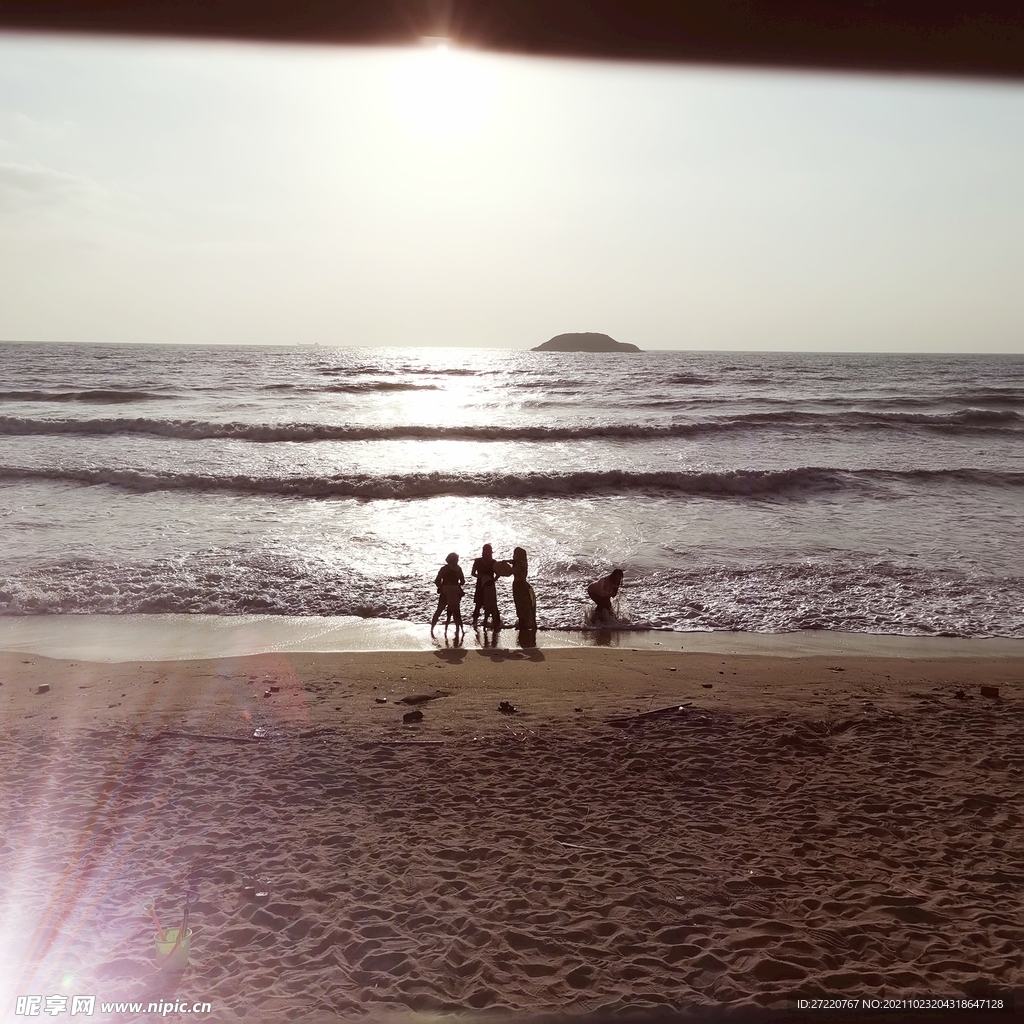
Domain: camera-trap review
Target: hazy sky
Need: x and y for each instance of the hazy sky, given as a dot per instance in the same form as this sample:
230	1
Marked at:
173	192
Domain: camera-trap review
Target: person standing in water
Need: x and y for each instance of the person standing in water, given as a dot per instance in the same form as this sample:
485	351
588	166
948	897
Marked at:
449	582
601	593
485	569
522	592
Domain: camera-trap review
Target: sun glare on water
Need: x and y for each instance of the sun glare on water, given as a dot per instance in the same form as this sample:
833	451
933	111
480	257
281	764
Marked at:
441	90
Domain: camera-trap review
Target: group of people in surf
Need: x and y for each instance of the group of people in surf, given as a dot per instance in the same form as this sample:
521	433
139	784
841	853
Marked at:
451	581
487	569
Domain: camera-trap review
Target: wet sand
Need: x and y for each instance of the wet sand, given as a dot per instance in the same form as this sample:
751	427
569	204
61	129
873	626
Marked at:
114	638
807	824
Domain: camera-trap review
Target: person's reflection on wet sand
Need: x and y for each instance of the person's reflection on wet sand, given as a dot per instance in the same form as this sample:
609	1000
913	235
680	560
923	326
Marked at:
526	639
488	640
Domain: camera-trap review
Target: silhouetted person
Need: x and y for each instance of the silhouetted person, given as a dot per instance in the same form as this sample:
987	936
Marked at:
449	582
522	592
602	591
485	569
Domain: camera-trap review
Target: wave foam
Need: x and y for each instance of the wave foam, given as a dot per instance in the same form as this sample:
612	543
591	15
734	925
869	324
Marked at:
860	597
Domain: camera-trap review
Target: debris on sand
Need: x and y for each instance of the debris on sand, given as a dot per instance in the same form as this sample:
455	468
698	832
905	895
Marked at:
422	698
256	889
990	691
622	721
507	709
412	716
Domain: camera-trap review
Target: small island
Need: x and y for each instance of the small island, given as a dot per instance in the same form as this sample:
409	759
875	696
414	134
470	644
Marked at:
585	342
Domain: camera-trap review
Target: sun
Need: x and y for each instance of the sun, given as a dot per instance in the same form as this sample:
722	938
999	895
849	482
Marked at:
438	89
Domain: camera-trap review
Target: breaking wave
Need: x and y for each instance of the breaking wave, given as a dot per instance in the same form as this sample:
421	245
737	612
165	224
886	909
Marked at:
964	420
863	597
792	483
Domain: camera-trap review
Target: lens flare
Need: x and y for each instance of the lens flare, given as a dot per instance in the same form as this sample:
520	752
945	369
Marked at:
442	91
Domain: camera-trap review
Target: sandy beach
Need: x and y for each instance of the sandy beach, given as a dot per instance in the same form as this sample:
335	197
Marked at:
828	824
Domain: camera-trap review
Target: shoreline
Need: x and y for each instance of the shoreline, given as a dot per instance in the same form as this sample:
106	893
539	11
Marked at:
180	637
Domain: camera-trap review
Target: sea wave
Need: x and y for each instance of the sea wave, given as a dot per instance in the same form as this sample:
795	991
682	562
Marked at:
99	396
358	388
378	371
789	483
852	596
963	420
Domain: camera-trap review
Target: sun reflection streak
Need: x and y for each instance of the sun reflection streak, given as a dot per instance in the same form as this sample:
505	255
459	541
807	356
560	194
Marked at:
87	801
58	913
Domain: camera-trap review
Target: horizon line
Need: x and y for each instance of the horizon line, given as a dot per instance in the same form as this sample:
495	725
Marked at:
506	348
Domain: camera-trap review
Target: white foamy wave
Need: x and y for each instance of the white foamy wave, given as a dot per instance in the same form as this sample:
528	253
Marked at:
868	597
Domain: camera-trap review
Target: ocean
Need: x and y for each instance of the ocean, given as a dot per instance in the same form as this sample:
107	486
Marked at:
763	492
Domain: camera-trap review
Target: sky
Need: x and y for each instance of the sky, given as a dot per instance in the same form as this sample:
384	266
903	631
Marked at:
172	192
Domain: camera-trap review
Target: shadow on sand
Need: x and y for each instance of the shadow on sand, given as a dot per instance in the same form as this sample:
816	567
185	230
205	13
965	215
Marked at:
510	654
452	654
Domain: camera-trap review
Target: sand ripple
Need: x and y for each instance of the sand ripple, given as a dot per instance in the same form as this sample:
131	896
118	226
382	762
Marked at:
711	858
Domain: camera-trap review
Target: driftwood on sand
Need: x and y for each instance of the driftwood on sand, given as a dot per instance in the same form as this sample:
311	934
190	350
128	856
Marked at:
422	698
621	721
